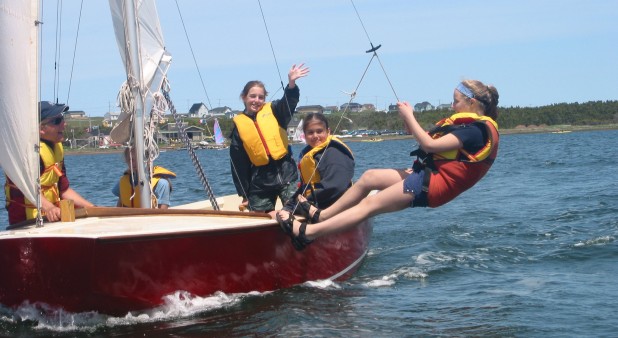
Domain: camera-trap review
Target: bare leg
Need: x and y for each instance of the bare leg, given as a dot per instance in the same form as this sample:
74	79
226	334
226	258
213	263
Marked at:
372	179
388	200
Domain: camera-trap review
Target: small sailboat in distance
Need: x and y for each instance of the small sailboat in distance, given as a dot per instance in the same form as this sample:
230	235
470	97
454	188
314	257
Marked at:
219	138
299	134
220	141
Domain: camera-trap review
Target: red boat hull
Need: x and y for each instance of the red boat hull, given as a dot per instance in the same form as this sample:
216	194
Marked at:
118	274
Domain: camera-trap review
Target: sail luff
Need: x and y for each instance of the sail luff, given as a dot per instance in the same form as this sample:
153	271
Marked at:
19	118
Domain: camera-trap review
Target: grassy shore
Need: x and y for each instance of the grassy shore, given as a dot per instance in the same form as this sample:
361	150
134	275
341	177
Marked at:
518	130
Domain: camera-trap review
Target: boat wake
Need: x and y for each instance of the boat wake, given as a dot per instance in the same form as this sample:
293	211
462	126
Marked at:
325	284
181	304
391	279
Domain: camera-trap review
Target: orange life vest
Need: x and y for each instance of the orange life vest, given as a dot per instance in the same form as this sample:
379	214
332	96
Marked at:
450	173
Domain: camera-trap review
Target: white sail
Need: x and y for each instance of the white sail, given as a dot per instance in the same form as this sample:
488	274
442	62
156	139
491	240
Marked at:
299	134
153	60
142	49
19	126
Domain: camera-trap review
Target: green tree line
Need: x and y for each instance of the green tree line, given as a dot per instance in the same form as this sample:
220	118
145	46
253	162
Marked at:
576	114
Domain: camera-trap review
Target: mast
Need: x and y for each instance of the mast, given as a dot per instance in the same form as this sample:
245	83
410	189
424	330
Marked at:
137	89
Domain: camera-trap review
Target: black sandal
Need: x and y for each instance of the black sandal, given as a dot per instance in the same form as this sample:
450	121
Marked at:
299	242
305	208
288	225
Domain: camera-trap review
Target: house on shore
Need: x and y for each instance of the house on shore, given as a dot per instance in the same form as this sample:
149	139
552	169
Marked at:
198	110
310	109
170	133
75	115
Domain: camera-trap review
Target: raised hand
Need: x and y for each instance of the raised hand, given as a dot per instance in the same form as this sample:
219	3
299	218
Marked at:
296	72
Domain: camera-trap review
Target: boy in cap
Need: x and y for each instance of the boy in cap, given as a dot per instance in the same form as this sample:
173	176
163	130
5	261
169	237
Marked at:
54	182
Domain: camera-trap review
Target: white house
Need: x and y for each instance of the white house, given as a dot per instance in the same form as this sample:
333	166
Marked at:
220	111
198	110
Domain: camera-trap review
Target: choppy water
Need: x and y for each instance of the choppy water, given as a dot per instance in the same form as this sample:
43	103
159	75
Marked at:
530	251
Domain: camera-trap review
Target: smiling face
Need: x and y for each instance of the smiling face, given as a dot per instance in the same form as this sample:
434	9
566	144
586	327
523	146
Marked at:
52	129
254	100
316	132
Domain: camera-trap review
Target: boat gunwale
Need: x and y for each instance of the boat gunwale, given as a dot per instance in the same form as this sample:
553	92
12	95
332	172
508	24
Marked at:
100	215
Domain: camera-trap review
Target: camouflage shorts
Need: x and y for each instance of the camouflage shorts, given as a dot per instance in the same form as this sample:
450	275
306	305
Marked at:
266	200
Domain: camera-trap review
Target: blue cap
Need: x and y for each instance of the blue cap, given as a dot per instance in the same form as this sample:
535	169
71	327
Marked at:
49	109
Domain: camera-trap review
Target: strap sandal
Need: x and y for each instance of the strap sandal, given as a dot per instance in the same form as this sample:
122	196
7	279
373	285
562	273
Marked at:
305	209
288	225
301	241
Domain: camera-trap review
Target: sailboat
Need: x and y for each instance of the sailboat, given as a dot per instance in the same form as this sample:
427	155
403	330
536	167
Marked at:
299	134
219	138
119	260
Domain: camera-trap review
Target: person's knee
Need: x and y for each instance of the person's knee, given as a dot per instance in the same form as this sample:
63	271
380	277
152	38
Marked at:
369	178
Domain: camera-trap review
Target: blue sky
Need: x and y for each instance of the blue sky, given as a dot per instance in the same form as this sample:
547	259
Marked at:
535	52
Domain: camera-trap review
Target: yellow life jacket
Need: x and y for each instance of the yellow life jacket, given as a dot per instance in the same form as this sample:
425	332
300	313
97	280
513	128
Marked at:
309	174
52	171
262	137
461	154
129	194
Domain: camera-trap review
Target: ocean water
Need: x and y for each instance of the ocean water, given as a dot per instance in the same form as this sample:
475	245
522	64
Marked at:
530	251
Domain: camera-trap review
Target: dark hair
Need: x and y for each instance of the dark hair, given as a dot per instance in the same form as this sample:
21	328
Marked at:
315	116
251	84
486	95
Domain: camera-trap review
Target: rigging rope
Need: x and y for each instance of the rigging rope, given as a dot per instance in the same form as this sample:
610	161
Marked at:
352	95
374	50
193	55
57	50
282	87
79	20
194	158
274	57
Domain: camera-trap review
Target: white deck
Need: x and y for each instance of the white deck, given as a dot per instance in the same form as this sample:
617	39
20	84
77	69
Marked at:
104	227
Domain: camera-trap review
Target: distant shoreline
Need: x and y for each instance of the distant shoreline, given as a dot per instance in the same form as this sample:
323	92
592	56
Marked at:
518	130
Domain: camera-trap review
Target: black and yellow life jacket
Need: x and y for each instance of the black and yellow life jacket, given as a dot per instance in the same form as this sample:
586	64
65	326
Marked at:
307	164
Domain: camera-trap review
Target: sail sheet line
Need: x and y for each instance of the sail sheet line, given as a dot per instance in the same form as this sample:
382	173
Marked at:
192	154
